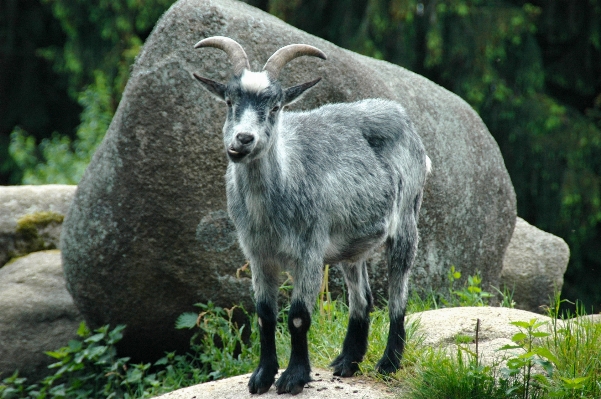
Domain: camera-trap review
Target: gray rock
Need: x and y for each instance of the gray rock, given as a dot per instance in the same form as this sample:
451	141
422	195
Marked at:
322	386
592	318
129	244
37	314
446	328
533	266
31	218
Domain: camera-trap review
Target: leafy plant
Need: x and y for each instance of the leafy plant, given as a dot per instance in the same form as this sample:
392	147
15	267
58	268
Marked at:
522	365
471	294
13	387
87	368
219	344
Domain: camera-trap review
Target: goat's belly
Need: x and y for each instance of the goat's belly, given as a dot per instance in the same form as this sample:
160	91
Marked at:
355	250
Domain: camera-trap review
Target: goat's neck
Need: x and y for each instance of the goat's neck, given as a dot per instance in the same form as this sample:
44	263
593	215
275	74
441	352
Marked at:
267	171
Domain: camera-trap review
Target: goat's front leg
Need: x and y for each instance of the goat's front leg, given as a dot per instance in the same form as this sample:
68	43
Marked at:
307	280
265	283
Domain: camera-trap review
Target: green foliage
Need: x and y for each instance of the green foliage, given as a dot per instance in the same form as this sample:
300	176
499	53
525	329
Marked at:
60	159
470	294
86	368
560	360
101	41
532	385
103	35
219	342
13	387
91	368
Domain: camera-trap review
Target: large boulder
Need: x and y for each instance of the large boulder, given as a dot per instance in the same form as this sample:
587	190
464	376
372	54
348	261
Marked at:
37	314
156	182
31	218
533	266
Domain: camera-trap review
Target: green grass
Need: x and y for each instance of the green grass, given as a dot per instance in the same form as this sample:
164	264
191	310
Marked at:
576	344
563	361
438	374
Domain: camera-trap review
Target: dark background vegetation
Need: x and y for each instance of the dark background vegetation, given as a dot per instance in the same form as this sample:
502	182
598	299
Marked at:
532	70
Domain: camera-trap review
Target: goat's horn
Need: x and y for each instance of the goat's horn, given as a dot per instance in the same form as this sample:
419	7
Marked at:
286	54
233	49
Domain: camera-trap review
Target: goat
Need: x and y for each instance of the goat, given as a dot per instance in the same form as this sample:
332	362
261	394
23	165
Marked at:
303	188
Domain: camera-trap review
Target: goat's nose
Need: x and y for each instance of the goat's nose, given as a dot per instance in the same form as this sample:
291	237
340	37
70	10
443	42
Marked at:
245	138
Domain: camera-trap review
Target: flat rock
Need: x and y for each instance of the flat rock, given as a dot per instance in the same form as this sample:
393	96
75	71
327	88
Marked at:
37	314
324	386
445	328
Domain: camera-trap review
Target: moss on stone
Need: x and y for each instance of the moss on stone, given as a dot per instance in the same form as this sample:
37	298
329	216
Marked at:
28	225
30	234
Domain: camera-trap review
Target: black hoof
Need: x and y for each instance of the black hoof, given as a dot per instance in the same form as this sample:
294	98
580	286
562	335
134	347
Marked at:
386	367
293	380
344	367
261	380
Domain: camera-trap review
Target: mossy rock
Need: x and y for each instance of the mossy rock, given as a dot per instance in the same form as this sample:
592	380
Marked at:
37	231
31	218
29	225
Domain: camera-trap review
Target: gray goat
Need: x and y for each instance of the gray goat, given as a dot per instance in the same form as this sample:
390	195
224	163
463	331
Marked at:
303	188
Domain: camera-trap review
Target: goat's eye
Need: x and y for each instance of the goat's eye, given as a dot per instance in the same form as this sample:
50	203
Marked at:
275	109
228	102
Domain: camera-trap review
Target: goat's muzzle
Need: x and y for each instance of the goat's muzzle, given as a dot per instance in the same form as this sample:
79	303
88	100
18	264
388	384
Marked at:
242	145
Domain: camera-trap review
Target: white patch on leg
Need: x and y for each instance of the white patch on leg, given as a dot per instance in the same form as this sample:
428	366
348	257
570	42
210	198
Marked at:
428	165
260	322
254	81
297	322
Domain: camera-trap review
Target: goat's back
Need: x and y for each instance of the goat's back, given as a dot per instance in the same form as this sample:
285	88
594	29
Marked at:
372	135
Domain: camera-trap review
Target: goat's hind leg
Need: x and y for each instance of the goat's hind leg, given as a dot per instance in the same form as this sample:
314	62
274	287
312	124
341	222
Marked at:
360	304
401	251
265	283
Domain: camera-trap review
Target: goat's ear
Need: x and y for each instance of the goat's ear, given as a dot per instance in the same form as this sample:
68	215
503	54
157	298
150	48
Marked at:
294	93
215	88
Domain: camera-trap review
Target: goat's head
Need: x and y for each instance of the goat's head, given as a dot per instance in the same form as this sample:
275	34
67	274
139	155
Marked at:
254	99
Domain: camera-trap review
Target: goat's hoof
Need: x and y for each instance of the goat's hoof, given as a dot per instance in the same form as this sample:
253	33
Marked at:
293	380
386	367
344	367
261	380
